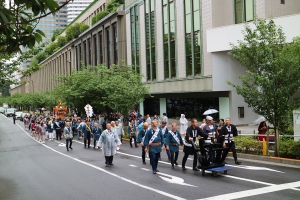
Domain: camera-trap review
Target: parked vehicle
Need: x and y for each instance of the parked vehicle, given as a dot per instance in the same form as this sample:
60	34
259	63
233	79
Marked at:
18	115
23	115
2	110
9	112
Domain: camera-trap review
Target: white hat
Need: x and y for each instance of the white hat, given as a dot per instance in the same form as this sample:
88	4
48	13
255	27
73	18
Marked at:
209	118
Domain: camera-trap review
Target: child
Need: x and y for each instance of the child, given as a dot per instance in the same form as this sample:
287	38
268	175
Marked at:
33	129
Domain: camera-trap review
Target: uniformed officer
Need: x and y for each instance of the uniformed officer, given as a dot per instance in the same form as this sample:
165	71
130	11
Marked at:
192	133
173	141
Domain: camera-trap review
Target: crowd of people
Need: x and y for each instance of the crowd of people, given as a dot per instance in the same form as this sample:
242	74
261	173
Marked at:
152	134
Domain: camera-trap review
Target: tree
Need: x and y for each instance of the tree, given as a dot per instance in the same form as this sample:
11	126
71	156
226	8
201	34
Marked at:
119	88
272	65
18	21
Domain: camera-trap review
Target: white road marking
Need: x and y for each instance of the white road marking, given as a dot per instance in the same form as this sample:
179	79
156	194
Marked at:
170	179
254	192
251	167
255	168
145	169
173	179
110	173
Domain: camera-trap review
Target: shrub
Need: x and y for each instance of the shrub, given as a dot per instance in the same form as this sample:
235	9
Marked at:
99	16
83	27
289	149
61	41
247	145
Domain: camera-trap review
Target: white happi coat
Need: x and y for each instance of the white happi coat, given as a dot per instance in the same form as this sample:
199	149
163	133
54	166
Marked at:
108	141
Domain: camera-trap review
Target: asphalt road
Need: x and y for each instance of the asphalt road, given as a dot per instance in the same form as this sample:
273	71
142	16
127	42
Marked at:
30	170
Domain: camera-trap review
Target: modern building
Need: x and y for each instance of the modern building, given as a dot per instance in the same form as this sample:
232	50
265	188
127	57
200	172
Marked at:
49	24
103	43
76	7
179	47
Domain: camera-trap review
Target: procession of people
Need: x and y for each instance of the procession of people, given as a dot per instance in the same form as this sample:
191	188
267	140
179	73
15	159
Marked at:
152	134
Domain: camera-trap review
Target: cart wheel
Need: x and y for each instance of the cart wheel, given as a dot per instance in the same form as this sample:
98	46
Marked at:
225	172
215	174
203	172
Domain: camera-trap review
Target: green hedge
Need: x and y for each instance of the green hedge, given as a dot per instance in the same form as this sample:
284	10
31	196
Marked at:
289	149
99	16
248	145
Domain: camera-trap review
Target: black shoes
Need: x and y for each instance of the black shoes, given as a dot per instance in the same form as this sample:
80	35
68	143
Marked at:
144	163
183	168
238	162
175	163
196	169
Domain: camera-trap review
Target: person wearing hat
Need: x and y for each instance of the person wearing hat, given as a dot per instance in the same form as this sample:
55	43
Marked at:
192	133
210	129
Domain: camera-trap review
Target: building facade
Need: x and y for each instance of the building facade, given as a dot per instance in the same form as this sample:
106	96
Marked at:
103	43
167	41
76	7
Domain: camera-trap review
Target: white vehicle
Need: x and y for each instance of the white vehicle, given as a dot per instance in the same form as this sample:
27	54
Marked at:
9	112
18	115
2	110
23	115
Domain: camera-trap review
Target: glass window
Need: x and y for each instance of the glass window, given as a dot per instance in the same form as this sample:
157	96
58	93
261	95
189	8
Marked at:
244	11
108	48
115	44
101	48
197	20
95	50
135	38
249	7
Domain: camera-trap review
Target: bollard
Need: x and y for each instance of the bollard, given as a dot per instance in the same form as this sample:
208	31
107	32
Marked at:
264	147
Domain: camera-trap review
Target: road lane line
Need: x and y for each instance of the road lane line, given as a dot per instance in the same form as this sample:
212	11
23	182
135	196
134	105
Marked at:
107	172
254	192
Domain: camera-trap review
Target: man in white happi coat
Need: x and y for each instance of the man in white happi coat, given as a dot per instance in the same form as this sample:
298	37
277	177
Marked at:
108	141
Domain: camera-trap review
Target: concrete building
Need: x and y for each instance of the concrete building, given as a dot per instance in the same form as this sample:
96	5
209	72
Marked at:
76	7
103	43
181	46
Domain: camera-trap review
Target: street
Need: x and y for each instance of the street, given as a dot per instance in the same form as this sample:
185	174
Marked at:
30	170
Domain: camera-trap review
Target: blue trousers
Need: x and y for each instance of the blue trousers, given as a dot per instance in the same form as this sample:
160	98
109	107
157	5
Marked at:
154	160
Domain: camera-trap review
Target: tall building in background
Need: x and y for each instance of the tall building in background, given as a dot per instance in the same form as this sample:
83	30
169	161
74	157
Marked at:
48	25
76	7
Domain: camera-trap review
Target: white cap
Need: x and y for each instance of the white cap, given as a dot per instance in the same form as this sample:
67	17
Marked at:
209	118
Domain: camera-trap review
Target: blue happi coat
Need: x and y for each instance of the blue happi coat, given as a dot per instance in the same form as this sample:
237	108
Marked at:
171	139
159	138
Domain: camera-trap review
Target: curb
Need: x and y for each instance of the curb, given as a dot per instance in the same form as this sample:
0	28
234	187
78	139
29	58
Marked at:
269	159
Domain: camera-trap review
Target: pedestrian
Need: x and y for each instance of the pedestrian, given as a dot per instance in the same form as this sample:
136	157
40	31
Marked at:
107	142
132	132
148	120
58	128
165	131
68	135
14	117
76	131
43	132
119	132
96	132
141	137
229	131
87	134
165	118
50	129
154	141
210	129
192	133
173	141
33	129
183	124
